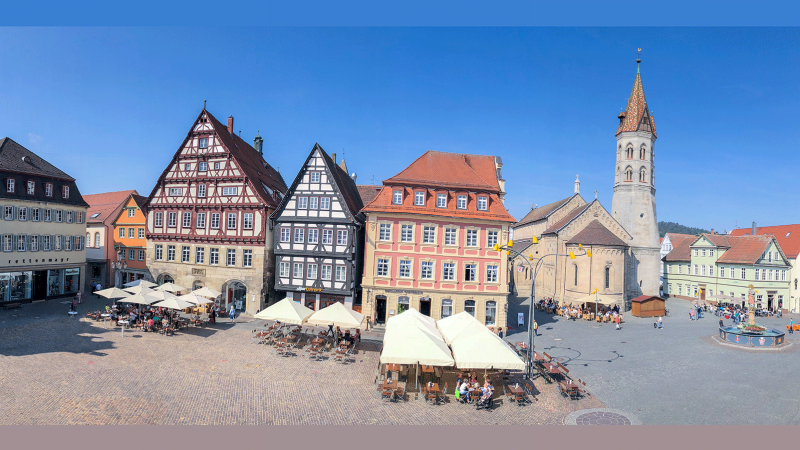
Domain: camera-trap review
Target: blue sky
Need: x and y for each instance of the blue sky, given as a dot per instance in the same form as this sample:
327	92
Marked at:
110	106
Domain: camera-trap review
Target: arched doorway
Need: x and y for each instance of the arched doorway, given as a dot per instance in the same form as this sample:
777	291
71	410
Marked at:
197	285
233	291
164	278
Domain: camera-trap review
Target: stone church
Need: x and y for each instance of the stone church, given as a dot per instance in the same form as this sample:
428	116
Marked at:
623	242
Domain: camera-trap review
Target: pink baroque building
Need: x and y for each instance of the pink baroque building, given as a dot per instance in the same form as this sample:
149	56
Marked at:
429	238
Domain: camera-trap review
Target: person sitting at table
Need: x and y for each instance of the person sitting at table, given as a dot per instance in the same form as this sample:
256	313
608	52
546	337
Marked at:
347	337
108	308
132	317
463	390
357	336
150	324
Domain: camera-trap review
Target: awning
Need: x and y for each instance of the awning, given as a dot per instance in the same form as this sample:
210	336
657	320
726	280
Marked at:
409	340
286	311
451	326
599	299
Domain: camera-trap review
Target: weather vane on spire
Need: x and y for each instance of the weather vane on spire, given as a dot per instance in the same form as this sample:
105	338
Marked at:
638	59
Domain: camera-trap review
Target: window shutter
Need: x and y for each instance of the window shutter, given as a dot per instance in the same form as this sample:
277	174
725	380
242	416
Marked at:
55	246
27	242
13	242
2	212
13	213
52	242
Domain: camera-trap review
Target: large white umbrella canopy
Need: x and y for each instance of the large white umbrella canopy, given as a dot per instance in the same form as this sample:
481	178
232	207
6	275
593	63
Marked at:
140	299
139	290
286	311
171	287
337	315
599	299
162	295
140	282
408	340
195	299
174	303
451	326
475	347
113	293
207	292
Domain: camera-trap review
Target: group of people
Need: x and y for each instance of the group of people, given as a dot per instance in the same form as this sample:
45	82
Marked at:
346	336
465	384
696	312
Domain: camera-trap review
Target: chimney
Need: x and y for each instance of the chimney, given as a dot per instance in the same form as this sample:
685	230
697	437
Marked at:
577	185
712	231
258	144
754	228
230	125
333	157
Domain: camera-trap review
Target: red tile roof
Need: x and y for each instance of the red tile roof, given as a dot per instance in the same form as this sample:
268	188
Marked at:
544	211
368	192
788	237
680	247
631	118
642	298
449	170
745	249
595	233
454	172
105	204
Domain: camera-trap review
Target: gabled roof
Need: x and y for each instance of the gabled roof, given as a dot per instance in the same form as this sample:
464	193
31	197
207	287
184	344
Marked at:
788	237
368	192
11	159
105	205
556	227
642	298
718	240
673	236
450	170
252	163
544	211
140	200
636	116
596	234
340	181
745	249
680	247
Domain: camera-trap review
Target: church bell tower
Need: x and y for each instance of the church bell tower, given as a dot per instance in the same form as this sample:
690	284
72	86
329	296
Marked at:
634	200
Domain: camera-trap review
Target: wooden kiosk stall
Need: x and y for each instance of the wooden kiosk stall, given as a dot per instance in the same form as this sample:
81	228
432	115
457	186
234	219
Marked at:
647	306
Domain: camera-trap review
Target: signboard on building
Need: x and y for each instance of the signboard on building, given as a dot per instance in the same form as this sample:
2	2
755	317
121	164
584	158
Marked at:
199	272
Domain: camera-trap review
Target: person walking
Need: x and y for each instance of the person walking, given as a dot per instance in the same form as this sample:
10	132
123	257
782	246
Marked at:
78	296
691	314
74	305
699	315
617	321
660	323
791	326
232	312
535	328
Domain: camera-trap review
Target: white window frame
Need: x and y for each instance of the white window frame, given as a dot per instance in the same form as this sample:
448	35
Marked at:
483	203
215	221
299	236
170	253
385	232
31	187
202	166
448	271
313	236
48	189
426	270
199	255
397	197
158	219
247	257
441	200
311	271
201	190
314	177
231	222
302	202
406	232
297	270
213	256
186	253
461	202
175	192
450	236
172	219
230	257
325	272
428	234
404	269
491	273
472	238
341	273
247	221
327	236
230	191
187	220
286	234
419	198
159	252
471	269
382	267
284	269
341	237
312	202
201	221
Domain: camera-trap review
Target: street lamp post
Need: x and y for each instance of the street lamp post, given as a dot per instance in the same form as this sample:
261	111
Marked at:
535	270
117	266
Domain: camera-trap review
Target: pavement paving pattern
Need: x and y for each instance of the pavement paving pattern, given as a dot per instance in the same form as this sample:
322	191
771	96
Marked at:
57	370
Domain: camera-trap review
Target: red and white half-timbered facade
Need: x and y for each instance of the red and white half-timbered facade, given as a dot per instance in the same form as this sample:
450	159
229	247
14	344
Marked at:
207	216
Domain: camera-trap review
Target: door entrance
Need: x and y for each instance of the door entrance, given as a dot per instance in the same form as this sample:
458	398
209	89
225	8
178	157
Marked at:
702	293
39	291
425	306
770	300
380	309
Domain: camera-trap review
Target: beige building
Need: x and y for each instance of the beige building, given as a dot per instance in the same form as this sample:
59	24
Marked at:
207	217
42	231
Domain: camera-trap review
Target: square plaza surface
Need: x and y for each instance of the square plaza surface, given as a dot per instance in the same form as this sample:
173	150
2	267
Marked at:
56	370
679	374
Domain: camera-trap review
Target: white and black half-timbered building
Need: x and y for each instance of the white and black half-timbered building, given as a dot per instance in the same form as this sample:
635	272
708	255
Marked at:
319	236
208	216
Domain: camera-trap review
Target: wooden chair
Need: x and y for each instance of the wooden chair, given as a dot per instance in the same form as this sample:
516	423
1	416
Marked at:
443	396
509	395
400	392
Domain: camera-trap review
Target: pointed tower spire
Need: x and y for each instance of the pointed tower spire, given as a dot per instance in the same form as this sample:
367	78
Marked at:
636	116
342	164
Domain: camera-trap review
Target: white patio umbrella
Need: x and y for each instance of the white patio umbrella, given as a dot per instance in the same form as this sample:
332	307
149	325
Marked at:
140	299
195	299
162	295
113	293
475	347
408	341
286	311
140	282
451	326
207	292
337	315
597	299
174	303
139	290
171	287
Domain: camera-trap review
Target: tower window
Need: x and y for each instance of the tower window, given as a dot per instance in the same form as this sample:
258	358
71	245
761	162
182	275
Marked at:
642	175
642	153
629	153
628	174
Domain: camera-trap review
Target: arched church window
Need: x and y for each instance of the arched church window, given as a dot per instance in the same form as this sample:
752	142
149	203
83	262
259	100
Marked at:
628	174
642	175
576	273
629	152
642	153
608	277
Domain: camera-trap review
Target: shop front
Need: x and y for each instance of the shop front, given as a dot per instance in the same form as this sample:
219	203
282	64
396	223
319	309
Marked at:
26	286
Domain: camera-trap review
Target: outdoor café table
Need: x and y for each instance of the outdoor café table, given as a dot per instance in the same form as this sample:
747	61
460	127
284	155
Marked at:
427	369
124	324
570	389
433	389
537	357
516	390
105	317
317	341
389	384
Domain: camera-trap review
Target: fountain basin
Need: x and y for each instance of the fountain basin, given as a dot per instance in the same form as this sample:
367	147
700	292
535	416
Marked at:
768	338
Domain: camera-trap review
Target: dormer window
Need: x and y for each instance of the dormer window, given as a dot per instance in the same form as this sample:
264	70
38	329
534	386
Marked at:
203	143
31	187
65	191
397	197
441	200
10	185
48	189
483	202
461	202
419	199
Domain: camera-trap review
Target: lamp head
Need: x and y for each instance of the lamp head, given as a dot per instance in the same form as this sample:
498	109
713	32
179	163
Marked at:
589	253
510	243
534	240
571	255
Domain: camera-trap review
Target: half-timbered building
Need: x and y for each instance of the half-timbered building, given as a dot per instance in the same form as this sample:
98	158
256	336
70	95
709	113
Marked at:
207	216
319	235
